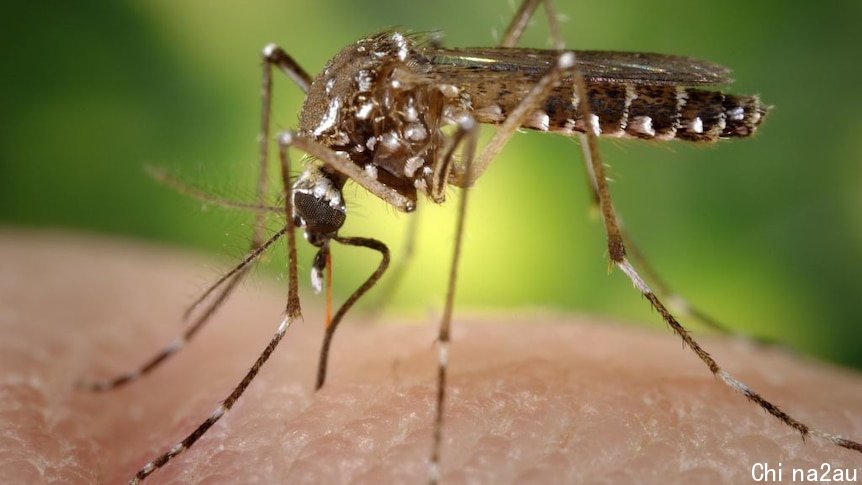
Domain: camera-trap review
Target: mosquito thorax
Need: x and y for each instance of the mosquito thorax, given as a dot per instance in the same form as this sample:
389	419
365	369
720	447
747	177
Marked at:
371	104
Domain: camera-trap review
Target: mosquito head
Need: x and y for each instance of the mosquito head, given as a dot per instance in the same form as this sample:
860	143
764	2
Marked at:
318	205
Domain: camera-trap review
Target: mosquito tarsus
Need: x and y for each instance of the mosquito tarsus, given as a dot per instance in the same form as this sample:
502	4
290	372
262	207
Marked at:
391	112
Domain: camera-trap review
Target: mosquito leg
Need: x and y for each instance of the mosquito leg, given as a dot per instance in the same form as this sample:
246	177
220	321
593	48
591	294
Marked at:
222	408
397	273
348	168
293	307
617	256
522	17
467	126
677	302
291	312
465	177
517	117
533	99
231	279
442	167
272	56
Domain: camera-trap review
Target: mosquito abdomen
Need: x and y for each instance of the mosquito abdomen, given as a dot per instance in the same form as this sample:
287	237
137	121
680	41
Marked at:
651	112
669	112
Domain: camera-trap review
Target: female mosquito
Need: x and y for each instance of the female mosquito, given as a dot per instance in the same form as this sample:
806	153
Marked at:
391	111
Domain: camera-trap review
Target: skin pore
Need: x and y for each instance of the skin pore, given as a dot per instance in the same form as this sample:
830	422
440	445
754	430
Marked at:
533	397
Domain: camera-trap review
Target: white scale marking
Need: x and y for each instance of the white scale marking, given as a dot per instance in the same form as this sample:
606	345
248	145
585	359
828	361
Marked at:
566	60
634	276
736	114
282	328
323	189
642	125
371	171
363	81
364	110
695	125
415	132
411	114
316	280
390	141
328	120
269	50
443	355
631	95
540	120
492	113
735	384
448	90
412	164
594	124
401	44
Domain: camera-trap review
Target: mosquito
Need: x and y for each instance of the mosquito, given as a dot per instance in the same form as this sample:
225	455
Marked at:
399	114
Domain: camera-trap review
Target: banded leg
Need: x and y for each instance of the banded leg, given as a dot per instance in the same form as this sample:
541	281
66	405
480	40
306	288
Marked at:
617	257
464	177
231	278
272	56
469	130
333	161
292	311
676	301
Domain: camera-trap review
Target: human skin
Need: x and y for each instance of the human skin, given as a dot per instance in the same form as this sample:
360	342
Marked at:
534	398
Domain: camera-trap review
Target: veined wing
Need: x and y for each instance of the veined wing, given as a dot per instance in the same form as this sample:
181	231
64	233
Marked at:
596	66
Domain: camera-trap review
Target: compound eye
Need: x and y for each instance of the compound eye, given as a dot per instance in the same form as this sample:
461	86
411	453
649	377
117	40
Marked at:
319	215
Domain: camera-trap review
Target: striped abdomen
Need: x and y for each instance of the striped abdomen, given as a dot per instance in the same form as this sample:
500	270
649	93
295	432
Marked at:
668	112
642	111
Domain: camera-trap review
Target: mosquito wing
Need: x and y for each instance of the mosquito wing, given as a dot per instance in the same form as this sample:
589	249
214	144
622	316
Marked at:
596	66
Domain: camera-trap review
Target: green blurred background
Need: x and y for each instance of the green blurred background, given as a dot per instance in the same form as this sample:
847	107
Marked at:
765	234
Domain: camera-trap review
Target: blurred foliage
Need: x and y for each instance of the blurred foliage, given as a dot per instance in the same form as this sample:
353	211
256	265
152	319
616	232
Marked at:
765	234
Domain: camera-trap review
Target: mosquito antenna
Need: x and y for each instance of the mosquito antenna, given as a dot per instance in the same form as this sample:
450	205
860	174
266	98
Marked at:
342	310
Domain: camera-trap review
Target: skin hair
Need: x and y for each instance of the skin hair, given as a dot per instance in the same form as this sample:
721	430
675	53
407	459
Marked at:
533	397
